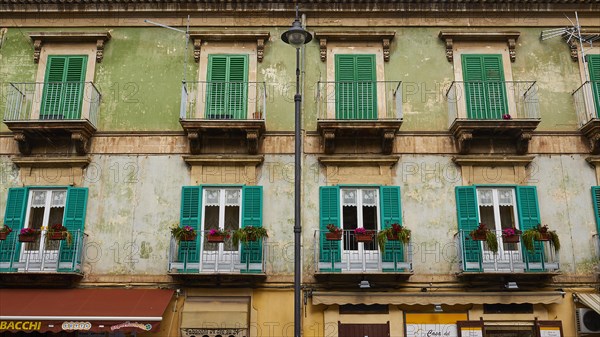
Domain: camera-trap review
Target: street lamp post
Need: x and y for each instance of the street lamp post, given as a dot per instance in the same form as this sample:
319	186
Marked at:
297	36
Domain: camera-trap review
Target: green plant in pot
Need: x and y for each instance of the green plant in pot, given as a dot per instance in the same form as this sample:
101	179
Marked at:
540	233
482	233
247	234
395	232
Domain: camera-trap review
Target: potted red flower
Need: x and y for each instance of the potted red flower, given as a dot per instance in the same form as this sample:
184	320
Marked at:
28	235
185	233
4	231
334	234
362	235
217	235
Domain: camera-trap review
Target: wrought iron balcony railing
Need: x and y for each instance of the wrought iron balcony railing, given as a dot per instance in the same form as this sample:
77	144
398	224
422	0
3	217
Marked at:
223	101
492	100
587	101
348	255
52	101
366	100
203	257
42	255
475	256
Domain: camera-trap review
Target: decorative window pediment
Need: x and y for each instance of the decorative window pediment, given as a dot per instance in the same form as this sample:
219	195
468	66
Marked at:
355	36
41	38
231	36
450	37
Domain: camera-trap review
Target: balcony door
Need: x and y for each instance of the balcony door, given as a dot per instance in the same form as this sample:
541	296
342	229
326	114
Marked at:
498	210
44	209
222	210
485	88
63	88
593	61
360	208
355	87
227	87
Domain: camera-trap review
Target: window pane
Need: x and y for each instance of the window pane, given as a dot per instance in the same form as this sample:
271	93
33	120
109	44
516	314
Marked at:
350	218
370	223
211	221
232	222
486	216
36	221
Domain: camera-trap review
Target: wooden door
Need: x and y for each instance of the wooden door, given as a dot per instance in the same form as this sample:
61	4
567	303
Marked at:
364	330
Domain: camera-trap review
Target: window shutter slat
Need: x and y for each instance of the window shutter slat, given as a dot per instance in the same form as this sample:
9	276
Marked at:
252	216
596	203
529	217
468	219
14	217
74	220
594	68
391	212
191	206
329	213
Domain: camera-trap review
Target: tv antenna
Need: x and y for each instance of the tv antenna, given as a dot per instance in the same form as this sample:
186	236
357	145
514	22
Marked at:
574	35
187	41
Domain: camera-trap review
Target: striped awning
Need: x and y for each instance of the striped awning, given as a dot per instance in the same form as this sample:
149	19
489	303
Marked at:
591	300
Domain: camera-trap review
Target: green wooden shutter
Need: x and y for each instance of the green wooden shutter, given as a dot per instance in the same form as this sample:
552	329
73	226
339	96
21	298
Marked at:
227	88
596	203
468	219
391	212
74	220
355	90
63	89
329	213
529	217
14	217
485	90
251	252
191	208
594	68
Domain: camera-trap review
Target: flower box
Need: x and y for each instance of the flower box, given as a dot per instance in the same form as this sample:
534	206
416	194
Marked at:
215	238
27	238
3	235
543	237
510	239
188	237
57	235
479	236
392	236
363	237
332	236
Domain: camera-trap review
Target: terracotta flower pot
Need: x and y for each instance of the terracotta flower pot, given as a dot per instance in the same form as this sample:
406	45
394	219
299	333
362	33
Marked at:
57	235
478	236
27	238
544	237
333	236
363	237
215	238
187	237
3	235
510	239
392	236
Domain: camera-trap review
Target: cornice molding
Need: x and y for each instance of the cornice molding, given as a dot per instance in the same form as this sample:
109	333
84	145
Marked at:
43	162
198	37
223	160
39	38
449	37
492	160
385	37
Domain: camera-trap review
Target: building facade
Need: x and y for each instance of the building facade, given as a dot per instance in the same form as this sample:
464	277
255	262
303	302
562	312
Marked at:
424	124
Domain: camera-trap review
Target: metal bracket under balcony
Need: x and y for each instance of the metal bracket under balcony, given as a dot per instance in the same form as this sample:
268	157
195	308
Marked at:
468	131
217	115
591	131
359	113
69	119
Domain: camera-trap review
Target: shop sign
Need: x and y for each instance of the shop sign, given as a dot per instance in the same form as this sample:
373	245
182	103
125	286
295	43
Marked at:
141	326
471	331
549	331
432	325
20	325
76	325
187	332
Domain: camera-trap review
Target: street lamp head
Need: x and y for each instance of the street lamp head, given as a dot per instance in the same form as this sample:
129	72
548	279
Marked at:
296	36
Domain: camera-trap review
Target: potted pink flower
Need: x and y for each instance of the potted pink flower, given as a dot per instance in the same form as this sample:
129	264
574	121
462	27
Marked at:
28	235
363	235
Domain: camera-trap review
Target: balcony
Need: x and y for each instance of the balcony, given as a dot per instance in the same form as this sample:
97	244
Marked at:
596	239
200	260
512	259
52	262
52	113
217	116
364	115
587	106
493	116
348	260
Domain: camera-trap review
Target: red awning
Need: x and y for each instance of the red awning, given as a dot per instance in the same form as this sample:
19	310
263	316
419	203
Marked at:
93	310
